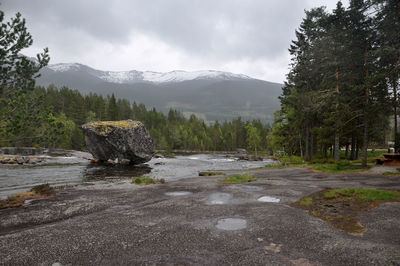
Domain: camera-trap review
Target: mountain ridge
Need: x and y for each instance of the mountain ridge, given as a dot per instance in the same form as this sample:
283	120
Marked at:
136	76
211	95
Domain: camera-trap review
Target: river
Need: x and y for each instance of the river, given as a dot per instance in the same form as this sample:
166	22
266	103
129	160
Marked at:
59	170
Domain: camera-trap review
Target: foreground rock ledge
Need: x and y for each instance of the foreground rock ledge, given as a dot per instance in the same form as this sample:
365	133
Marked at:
121	141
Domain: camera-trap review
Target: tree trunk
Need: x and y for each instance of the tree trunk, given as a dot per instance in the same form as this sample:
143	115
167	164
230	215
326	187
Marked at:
353	147
365	137
301	146
307	140
347	151
337	146
312	140
396	145
365	143
357	150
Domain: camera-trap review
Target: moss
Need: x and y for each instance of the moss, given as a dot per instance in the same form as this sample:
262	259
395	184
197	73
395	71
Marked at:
210	173
391	173
104	127
43	189
341	207
236	179
37	192
363	194
307	201
340	167
144	180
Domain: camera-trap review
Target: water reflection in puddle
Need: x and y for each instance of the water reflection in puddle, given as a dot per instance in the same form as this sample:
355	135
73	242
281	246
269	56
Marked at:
178	193
231	224
269	199
219	198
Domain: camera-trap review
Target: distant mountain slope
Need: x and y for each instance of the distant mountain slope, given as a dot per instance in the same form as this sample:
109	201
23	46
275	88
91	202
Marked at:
212	95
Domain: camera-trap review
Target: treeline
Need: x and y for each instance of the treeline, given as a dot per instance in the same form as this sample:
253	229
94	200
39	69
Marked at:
66	110
342	86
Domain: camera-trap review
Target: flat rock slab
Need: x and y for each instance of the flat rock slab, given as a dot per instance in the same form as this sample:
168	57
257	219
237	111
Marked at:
141	225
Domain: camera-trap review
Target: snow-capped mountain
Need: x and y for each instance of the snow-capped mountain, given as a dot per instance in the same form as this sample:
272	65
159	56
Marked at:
134	76
209	94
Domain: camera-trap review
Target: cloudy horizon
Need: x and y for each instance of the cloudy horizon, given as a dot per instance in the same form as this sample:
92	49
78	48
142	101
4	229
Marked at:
244	37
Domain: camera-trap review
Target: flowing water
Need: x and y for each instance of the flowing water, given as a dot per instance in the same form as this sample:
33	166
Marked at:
73	170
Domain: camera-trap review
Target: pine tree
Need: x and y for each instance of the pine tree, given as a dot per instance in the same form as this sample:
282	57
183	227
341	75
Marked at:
20	114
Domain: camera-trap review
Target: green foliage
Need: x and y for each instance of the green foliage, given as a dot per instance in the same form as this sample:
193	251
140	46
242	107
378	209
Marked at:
21	113
307	201
209	173
363	194
339	167
236	179
341	77
290	159
143	180
391	173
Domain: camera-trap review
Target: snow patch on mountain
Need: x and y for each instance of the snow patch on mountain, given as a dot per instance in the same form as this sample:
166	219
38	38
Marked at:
134	76
180	75
62	67
121	76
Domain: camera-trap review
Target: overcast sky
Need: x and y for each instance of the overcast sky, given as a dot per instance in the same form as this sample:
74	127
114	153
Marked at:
241	36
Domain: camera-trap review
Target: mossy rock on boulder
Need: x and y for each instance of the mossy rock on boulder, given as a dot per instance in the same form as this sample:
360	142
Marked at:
119	141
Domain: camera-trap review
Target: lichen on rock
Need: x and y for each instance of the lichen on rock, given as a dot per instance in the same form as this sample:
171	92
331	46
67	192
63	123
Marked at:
119	141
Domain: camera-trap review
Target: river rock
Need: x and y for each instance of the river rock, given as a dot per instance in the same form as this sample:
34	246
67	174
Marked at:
119	141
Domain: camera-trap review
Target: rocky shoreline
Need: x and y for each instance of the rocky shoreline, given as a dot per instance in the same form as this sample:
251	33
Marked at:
36	156
181	223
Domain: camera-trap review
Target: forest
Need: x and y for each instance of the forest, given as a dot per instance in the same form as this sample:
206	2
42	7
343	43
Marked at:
341	91
59	113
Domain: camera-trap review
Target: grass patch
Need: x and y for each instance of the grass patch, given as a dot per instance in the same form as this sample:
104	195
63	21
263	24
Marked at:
341	207
236	179
340	167
37	192
147	180
209	173
290	159
363	194
391	173
307	201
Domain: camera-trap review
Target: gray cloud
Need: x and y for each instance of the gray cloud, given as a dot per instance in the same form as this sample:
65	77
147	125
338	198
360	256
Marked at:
206	33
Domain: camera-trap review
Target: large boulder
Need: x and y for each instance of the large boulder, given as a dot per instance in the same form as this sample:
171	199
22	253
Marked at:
121	141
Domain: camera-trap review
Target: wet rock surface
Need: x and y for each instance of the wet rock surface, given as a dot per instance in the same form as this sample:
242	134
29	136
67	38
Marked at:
119	141
131	225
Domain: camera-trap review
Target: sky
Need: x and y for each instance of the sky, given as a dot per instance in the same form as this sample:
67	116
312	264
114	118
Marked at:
248	37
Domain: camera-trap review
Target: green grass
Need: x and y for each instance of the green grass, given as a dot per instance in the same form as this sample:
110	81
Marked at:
374	154
363	194
306	201
143	180
290	159
391	173
210	173
341	166
238	179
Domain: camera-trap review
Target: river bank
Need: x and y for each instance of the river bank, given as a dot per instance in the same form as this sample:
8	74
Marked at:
199	221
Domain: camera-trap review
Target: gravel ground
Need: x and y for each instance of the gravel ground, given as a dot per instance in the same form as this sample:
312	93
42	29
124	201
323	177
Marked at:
149	225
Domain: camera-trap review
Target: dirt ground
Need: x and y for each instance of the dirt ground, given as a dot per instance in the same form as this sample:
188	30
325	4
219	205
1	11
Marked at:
149	225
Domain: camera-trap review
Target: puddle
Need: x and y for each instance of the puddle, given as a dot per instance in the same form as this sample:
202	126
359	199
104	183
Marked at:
178	193
268	199
246	188
231	224
219	198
